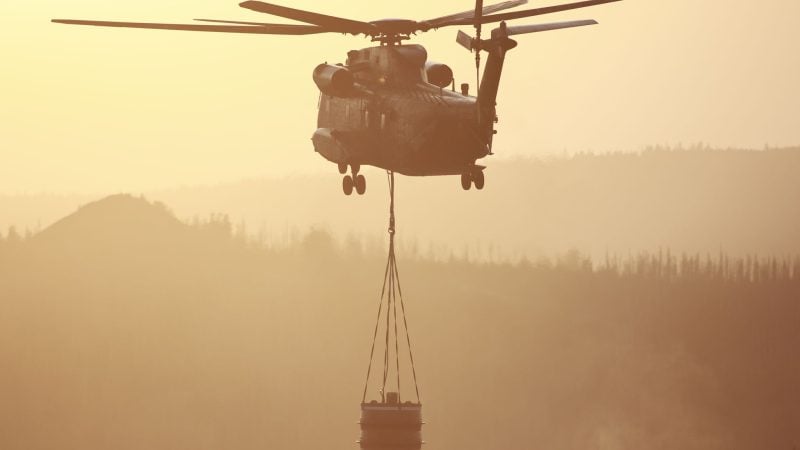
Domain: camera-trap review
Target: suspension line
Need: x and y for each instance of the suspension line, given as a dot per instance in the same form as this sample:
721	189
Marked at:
389	293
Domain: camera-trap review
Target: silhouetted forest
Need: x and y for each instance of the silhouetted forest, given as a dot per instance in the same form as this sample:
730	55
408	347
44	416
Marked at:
125	328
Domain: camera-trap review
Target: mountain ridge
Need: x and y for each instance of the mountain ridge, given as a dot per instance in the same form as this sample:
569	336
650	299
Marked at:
694	201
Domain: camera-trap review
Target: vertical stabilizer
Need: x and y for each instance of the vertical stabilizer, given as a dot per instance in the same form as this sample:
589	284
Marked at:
497	47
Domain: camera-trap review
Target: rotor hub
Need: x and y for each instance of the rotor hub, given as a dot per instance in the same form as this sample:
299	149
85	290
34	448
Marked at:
393	31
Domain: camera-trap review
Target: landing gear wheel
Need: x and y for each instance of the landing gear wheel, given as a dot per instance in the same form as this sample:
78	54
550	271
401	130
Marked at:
360	184
477	178
342	168
347	185
466	181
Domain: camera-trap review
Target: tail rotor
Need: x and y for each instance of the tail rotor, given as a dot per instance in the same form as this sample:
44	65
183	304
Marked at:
478	16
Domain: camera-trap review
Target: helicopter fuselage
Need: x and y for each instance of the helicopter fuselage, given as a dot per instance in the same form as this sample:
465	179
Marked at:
390	115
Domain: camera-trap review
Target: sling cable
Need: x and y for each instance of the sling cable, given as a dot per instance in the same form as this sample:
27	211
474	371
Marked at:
391	421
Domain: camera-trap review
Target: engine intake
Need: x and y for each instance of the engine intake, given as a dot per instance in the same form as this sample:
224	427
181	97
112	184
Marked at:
336	81
438	74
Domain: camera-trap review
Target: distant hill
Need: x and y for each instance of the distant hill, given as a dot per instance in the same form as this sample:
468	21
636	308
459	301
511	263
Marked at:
118	221
695	201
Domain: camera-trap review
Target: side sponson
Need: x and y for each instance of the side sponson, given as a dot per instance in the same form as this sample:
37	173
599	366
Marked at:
329	147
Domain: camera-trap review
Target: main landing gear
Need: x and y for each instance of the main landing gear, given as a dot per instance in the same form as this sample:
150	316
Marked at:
469	178
355	181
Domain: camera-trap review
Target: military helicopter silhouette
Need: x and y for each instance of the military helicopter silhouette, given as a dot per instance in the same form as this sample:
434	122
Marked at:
388	106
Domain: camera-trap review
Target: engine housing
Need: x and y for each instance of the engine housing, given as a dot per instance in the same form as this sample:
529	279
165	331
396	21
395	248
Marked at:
438	74
331	80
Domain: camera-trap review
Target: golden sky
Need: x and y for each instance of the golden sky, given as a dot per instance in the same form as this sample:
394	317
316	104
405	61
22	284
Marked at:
95	110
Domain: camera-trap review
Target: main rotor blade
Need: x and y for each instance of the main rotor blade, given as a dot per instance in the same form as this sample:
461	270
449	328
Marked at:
524	29
239	22
529	12
248	29
489	9
330	23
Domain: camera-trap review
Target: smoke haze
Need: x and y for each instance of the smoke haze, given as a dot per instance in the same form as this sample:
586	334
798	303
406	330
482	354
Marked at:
599	293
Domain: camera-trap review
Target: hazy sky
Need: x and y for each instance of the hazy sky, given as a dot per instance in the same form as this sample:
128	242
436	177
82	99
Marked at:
94	109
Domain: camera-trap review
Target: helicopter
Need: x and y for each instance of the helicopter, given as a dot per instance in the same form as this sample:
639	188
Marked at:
387	105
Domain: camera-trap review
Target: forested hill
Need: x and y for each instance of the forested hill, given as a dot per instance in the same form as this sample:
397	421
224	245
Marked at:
123	327
693	201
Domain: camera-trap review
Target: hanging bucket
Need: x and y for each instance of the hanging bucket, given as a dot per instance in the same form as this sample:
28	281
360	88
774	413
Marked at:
391	425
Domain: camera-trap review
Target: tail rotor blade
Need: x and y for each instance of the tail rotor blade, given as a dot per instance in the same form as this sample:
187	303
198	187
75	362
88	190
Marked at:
477	17
464	40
